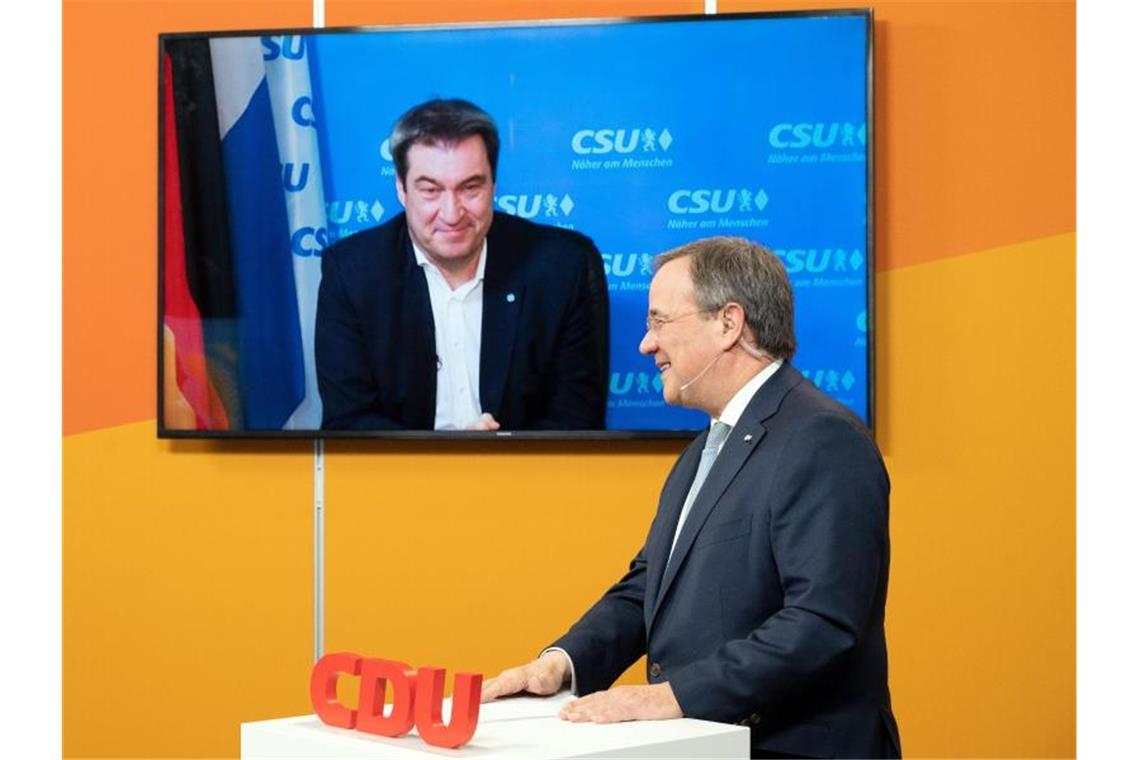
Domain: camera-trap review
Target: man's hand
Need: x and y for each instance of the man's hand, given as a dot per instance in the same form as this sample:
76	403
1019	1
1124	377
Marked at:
620	703
485	422
544	676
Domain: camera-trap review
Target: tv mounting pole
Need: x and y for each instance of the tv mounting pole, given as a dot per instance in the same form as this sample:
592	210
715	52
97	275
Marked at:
318	487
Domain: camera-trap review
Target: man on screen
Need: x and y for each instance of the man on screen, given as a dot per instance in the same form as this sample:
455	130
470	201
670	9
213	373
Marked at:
451	316
758	596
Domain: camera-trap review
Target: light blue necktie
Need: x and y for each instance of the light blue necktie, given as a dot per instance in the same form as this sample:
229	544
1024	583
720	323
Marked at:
713	443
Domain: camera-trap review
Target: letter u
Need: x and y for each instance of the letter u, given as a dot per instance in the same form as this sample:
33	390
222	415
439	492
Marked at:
726	205
816	261
293	185
464	707
626	146
819	141
293	47
617	387
529	213
623	264
345	209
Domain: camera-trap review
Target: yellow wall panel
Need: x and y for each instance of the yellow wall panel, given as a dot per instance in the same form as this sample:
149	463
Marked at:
187	591
476	558
978	416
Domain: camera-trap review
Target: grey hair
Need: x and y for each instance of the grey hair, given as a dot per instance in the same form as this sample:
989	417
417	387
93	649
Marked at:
442	122
728	270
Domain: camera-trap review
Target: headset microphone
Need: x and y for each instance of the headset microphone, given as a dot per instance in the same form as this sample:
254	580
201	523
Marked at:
700	374
748	349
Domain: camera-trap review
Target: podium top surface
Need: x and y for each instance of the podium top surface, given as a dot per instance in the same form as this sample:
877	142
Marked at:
512	728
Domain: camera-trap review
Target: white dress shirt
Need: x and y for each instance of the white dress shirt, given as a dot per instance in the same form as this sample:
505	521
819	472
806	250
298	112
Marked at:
740	400
458	317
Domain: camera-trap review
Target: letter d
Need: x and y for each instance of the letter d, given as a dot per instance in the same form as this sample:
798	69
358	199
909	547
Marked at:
322	688
374	678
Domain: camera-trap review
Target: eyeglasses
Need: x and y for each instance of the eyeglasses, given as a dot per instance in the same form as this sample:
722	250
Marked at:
654	322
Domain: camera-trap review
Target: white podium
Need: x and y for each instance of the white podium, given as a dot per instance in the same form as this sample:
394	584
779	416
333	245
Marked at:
521	727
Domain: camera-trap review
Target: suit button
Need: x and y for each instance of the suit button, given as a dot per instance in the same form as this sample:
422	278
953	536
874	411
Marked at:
654	670
754	719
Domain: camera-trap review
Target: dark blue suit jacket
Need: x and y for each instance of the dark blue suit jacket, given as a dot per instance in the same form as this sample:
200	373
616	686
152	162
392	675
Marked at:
770	613
545	350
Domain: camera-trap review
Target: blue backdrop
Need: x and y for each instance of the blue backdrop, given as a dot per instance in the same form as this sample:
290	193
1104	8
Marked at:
643	136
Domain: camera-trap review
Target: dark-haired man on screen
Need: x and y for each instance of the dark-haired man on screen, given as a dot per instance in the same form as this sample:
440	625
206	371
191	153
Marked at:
451	316
758	596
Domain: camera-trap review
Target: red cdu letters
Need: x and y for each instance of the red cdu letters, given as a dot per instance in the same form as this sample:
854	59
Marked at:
374	675
464	707
416	698
322	688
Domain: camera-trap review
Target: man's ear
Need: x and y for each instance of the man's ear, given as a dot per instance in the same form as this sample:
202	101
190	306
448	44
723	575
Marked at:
401	193
731	324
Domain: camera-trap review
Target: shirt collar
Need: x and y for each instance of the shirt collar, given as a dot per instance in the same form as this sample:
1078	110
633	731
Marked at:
422	260
737	404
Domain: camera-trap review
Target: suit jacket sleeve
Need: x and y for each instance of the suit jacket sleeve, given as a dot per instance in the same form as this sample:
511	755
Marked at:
828	534
346	384
611	635
576	396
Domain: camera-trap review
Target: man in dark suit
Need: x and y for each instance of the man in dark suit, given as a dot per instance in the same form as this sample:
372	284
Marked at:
759	594
451	316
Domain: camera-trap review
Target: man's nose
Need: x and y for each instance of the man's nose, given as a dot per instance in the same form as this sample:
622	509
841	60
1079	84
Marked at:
648	345
450	209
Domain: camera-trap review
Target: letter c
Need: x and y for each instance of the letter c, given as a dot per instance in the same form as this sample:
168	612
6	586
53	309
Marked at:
322	688
675	201
774	138
301	118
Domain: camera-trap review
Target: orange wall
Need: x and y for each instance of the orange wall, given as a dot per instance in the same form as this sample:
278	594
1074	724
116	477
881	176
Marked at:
187	566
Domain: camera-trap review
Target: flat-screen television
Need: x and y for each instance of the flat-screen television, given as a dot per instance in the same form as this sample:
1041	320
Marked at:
618	138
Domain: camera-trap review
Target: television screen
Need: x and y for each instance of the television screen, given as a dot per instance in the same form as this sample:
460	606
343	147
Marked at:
292	302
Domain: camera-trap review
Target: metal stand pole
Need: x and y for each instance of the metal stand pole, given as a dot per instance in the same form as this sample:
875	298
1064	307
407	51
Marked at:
318	487
318	548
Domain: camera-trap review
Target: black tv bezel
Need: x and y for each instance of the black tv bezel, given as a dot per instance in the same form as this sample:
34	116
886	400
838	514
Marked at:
532	435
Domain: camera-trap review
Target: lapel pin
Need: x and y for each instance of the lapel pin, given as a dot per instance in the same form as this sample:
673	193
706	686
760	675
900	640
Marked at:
748	438
510	297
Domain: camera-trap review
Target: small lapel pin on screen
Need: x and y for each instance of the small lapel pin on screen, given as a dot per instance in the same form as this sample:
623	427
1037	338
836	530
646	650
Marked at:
748	438
510	297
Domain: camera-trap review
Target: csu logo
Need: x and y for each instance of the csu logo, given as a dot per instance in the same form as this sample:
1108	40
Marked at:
816	260
354	212
625	264
624	383
718	201
531	205
600	141
817	135
830	380
291	47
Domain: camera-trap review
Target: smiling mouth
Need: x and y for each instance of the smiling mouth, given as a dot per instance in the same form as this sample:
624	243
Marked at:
662	367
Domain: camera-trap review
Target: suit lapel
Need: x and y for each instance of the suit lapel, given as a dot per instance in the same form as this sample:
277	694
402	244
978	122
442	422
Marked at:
503	293
744	439
417	328
672	498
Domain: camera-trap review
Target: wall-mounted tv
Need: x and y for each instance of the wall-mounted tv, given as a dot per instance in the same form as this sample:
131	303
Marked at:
618	139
